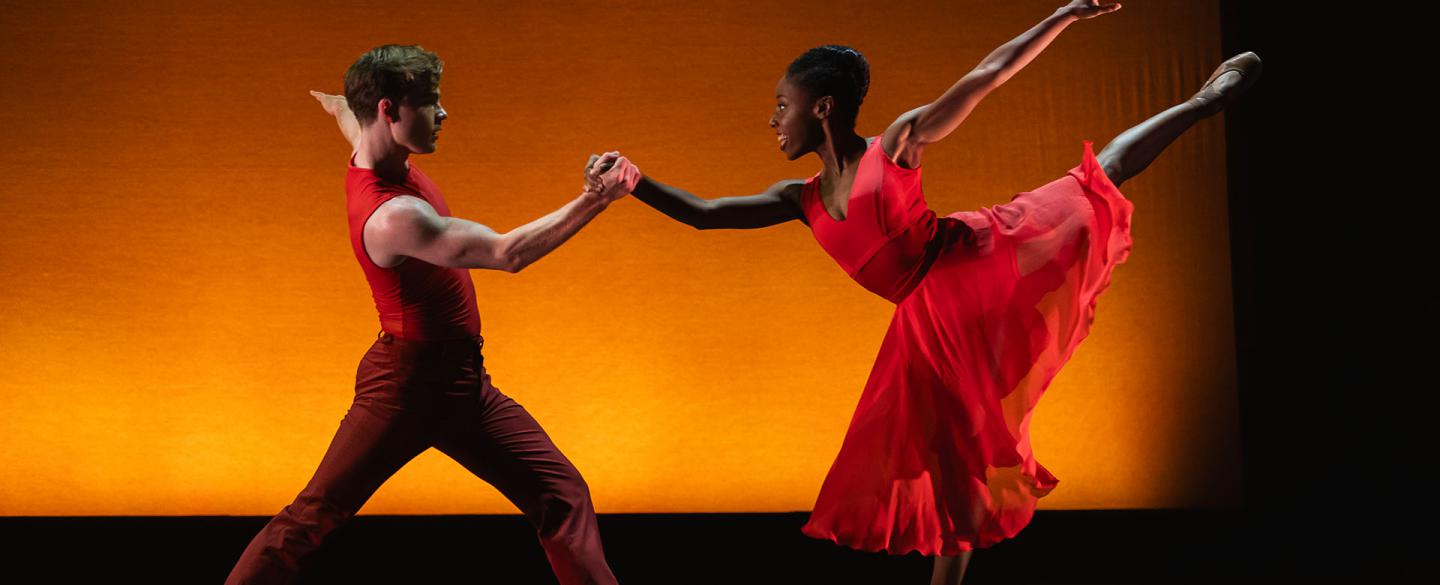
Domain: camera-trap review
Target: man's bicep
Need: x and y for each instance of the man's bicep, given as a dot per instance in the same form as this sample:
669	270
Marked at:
406	226
447	241
466	244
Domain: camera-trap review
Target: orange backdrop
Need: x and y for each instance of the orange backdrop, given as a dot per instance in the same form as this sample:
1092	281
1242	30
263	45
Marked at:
183	314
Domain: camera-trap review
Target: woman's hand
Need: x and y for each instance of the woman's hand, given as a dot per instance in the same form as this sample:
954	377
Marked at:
1087	9
592	180
610	176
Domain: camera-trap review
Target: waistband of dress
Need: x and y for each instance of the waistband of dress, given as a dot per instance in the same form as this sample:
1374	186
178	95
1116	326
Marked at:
946	232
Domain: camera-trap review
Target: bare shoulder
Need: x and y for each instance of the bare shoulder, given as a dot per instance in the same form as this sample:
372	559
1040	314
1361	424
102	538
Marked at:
403	213
397	226
900	143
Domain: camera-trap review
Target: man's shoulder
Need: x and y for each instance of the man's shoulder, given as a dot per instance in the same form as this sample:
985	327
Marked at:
403	212
369	190
405	203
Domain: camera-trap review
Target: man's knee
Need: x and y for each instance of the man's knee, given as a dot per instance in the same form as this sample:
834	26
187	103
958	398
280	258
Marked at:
566	504
311	518
278	552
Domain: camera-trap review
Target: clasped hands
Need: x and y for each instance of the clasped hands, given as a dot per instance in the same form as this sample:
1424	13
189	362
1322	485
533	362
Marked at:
610	176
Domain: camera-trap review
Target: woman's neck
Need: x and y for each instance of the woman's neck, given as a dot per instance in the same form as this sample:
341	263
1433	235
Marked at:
838	152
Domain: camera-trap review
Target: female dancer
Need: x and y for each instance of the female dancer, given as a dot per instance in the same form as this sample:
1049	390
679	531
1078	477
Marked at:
990	303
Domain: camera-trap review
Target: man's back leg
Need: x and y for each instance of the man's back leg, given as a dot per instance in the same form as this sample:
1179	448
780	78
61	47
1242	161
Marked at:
378	436
497	440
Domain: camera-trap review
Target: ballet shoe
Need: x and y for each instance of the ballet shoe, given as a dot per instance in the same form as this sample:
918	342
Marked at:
1213	99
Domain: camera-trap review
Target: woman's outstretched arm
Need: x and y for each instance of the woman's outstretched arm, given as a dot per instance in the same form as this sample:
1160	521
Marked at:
932	122
778	204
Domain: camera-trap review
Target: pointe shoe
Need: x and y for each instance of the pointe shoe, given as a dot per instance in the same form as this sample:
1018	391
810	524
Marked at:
1214	99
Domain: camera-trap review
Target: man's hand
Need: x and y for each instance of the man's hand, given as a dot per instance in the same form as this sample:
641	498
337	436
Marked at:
610	176
333	104
337	106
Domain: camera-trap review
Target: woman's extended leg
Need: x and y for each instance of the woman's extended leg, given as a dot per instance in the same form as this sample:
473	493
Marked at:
1134	149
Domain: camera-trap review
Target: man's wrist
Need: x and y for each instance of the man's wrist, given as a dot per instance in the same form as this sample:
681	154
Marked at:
593	199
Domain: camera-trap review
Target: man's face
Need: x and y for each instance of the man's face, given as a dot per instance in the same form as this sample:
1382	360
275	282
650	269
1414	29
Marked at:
418	126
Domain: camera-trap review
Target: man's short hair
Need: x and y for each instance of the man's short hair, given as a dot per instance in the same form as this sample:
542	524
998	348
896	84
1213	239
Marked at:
403	73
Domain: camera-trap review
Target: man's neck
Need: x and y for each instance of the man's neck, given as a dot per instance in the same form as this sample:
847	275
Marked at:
382	155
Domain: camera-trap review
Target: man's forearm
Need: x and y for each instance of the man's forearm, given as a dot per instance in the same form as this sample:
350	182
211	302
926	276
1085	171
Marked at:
350	127
338	106
532	241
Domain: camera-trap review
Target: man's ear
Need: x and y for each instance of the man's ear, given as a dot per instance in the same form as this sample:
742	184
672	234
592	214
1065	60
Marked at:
387	109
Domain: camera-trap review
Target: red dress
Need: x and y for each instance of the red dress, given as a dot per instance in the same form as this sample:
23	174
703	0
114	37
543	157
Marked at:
989	305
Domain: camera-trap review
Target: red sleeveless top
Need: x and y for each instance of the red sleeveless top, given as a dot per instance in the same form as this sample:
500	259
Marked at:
416	300
886	241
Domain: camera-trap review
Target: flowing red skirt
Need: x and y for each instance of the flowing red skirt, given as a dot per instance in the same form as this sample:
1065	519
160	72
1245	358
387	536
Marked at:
937	458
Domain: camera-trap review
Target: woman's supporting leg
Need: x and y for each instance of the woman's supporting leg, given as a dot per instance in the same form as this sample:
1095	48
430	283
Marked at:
950	570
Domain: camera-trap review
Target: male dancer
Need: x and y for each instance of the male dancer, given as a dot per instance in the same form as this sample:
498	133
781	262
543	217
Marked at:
423	382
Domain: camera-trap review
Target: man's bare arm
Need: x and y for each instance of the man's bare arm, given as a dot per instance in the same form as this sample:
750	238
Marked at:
335	105
407	226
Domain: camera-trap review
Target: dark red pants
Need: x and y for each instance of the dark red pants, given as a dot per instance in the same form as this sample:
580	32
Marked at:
413	395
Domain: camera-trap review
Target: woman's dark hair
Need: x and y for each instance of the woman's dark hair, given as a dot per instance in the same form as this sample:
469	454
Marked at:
837	71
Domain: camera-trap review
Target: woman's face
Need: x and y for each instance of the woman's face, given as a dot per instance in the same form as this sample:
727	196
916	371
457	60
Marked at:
797	128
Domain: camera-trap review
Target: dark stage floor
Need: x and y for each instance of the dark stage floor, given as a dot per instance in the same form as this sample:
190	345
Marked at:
1059	547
